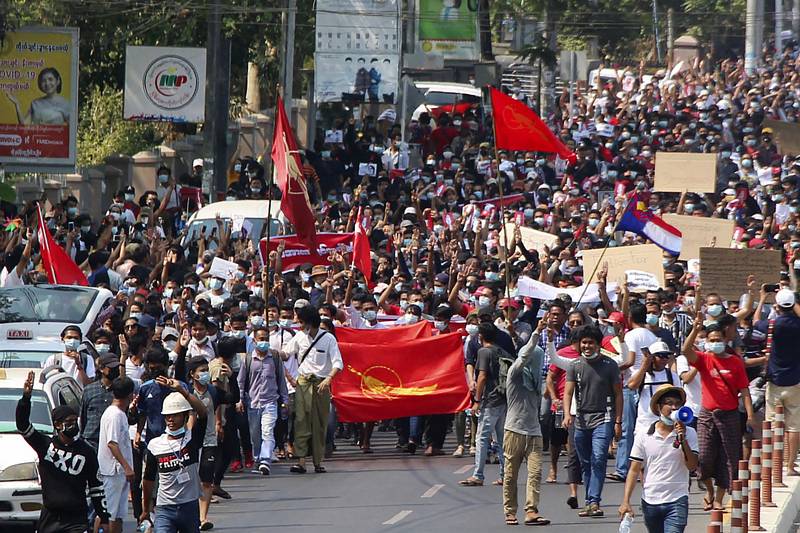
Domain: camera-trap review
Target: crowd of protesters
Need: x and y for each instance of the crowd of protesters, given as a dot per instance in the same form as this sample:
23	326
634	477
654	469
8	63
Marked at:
252	357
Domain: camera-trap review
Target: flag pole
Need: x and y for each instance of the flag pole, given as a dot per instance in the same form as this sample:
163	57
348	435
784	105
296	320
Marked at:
268	283
502	204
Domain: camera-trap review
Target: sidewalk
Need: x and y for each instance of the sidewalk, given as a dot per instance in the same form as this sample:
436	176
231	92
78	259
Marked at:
780	519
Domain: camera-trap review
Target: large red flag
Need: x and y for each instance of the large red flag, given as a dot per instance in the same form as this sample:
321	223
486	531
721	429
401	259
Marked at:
518	127
420	330
361	251
286	169
296	253
60	268
408	378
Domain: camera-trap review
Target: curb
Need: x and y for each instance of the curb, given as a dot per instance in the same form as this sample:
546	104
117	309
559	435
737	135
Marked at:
781	518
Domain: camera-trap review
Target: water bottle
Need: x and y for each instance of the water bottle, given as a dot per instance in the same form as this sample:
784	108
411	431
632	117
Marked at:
145	526
626	526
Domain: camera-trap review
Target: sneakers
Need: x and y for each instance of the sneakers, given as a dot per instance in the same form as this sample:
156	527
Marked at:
263	469
248	460
459	451
222	493
236	466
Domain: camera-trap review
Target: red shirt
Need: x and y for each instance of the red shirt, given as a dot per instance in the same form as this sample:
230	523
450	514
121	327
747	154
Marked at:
560	376
721	379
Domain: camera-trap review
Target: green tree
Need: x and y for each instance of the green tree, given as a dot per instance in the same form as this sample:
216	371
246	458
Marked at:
538	55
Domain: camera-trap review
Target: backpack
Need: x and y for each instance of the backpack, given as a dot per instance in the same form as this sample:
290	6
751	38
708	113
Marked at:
501	363
82	354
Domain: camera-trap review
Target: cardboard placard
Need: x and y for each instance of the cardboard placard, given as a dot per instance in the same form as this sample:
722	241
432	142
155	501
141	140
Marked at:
221	268
786	136
700	232
534	240
679	171
725	270
643	257
638	281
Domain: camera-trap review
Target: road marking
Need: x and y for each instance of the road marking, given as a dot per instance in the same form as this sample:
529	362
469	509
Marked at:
432	491
464	469
396	518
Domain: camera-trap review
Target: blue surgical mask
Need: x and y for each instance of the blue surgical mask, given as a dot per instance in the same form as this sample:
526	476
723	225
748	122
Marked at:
667	420
204	378
286	322
257	320
441	325
262	346
177	432
483	301
715	347
438	290
714	310
652	319
163	178
215	283
72	211
102	348
492	276
472	329
370	315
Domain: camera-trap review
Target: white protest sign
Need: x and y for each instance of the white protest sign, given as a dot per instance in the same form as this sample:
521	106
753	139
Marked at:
237	221
221	268
640	281
542	291
334	136
367	169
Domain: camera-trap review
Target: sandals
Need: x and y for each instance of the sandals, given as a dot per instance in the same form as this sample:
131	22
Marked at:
572	502
497	482
471	482
591	511
536	520
319	469
708	505
511	520
551	480
615	477
297	469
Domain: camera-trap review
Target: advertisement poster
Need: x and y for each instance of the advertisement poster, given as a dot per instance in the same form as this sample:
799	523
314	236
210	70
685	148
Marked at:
448	28
39	102
356	77
370	26
164	84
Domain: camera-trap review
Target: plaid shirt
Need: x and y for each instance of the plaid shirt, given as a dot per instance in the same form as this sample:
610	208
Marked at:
560	338
94	401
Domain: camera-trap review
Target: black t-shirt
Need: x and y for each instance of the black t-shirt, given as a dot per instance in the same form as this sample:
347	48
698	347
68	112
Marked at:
488	362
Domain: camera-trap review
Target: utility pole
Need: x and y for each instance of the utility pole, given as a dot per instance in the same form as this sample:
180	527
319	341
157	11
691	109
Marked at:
778	28
218	88
759	22
655	31
750	39
796	18
670	34
288	55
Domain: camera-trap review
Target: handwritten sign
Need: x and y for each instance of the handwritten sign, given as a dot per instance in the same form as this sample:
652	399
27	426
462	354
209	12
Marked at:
699	232
638	281
532	239
643	257
678	172
221	268
725	271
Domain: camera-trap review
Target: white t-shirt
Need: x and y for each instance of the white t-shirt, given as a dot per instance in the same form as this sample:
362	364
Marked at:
693	388
635	340
217	299
9	278
69	365
113	428
645	416
666	478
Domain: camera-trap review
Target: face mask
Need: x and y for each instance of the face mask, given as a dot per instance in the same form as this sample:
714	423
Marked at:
411	319
262	346
175	307
592	356
455	166
370	316
688	301
612	174
177	432
305	277
71	344
215	284
204	378
86	229
286	322
539	221
492	276
440	325
438	290
403	304
747	163
137	316
652	320
170	345
666	420
714	310
163	178
478	194
646	153
72	211
71	431
688	207
715	347
483	301
256	321
725	154
472	329
102	348
202	341
237	333
593	222
777	197
632	152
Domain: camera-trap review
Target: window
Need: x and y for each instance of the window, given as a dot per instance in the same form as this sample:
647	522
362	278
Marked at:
40	410
46	304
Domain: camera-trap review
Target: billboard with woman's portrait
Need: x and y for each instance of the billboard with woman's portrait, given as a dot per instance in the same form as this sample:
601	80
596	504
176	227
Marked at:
39	99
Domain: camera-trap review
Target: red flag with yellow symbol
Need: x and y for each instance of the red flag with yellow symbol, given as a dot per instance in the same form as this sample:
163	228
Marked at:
401	378
421	329
518	127
286	168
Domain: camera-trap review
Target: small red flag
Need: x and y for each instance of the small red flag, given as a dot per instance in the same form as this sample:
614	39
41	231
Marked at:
286	168
60	268
518	127
361	250
401	378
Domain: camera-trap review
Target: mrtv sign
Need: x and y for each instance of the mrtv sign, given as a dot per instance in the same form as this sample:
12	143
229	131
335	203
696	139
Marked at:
165	84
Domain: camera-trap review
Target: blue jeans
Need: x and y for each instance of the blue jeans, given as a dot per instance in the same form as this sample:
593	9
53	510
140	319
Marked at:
630	408
490	419
262	431
592	448
666	517
181	518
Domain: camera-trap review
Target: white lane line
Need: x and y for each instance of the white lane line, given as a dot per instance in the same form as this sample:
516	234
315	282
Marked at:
396	518
464	469
432	491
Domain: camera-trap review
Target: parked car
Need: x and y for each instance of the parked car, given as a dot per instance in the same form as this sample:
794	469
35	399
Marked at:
33	316
448	95
20	487
248	214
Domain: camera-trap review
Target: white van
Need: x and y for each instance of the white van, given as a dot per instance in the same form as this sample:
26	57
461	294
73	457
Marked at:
251	214
444	93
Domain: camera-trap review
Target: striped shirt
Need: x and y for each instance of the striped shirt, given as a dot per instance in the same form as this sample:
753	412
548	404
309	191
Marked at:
559	339
679	326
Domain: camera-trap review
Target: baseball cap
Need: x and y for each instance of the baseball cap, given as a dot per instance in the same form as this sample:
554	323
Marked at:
301	303
197	163
785	298
170	332
108	360
659	347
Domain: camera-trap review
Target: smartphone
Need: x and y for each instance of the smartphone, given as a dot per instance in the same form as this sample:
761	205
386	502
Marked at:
71	226
115	238
771	287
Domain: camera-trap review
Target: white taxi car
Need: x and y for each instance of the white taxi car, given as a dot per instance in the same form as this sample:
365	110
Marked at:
33	316
20	489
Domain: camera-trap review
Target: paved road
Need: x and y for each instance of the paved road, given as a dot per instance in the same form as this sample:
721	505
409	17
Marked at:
388	491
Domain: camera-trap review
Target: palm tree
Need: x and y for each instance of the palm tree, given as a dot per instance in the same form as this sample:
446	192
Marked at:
538	54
